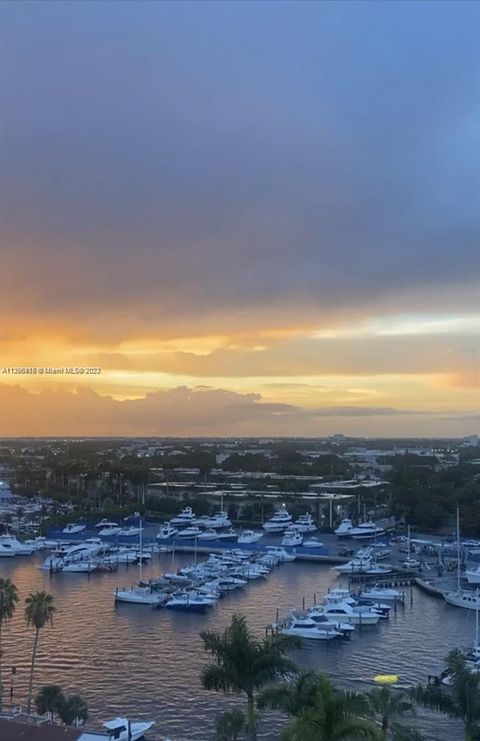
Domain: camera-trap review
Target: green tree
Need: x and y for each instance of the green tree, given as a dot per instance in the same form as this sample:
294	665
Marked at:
321	712
461	700
73	710
244	663
39	609
8	600
49	699
386	705
229	725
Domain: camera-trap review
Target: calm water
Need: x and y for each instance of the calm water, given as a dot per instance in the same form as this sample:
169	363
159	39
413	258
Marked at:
146	663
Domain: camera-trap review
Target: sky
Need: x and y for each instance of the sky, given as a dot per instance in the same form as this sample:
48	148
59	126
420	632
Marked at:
254	218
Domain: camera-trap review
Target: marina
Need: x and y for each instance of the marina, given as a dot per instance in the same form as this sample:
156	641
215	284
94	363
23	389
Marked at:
137	660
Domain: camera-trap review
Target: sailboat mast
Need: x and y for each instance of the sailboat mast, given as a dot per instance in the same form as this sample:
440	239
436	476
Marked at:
458	549
476	618
141	553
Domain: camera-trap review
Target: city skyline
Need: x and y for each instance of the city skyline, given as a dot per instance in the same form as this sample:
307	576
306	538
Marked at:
254	219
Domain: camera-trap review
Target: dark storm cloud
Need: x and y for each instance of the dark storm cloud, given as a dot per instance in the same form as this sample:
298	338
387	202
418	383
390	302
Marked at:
196	157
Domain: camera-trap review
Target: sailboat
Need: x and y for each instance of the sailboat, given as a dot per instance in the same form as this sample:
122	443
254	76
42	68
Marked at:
139	595
466	598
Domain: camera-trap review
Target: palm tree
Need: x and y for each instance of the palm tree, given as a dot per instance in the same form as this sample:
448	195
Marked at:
321	712
461	700
73	710
386	705
8	599
243	663
39	611
229	725
49	699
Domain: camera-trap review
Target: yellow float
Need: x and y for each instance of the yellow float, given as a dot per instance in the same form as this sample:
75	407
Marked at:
386	678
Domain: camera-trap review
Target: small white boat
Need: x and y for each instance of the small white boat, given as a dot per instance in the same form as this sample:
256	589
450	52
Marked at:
280	553
139	596
383	593
227	535
105	523
6	551
343	530
305	524
313	543
218	520
189	533
190	601
166	532
292	538
355	566
72	528
121	729
129	532
110	529
316	614
411	563
208	534
249	536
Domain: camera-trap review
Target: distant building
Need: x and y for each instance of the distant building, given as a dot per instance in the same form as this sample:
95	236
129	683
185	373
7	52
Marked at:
6	496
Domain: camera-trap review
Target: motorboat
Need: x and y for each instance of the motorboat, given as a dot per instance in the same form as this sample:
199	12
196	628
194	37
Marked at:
465	598
40	543
292	538
105	523
305	524
6	551
208	534
365	530
343	530
79	567
19	548
186	517
140	596
189	601
248	537
323	621
121	729
313	543
473	575
218	520
121	555
227	535
70	553
279	522
166	532
189	533
354	566
73	528
110	529
338	608
383	593
411	563
306	627
280	553
130	531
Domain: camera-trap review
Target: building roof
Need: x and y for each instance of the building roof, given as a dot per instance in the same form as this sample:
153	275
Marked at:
13	731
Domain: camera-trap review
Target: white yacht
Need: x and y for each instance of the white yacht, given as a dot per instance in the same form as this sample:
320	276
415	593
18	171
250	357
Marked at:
79	567
292	538
66	554
189	601
365	530
315	613
166	532
280	553
130	531
121	729
218	520
279	522
343	530
186	517
305	627
249	536
305	524
105	523
383	593
73	528
227	535
18	548
6	551
339	608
